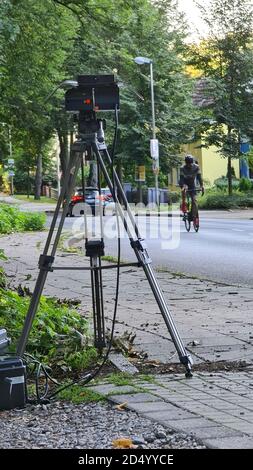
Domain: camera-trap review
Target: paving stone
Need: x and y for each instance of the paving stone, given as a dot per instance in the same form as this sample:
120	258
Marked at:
215	432
137	397
184	425
111	388
230	443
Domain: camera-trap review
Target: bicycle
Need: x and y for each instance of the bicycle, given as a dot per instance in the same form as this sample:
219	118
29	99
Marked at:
190	211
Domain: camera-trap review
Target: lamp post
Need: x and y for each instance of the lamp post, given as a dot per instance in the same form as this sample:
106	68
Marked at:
154	144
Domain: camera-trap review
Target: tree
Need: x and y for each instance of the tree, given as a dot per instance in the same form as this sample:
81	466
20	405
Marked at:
58	39
32	62
226	61
128	29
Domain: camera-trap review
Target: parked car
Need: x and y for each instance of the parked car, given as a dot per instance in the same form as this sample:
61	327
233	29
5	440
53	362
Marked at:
91	197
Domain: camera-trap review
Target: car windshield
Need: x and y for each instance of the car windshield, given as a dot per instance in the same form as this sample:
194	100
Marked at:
89	192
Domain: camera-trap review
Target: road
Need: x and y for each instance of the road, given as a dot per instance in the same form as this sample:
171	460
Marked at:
221	251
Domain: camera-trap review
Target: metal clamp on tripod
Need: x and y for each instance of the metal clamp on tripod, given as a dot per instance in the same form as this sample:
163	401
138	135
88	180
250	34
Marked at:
97	93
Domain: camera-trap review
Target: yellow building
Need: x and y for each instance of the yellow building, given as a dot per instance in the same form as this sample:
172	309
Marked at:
211	163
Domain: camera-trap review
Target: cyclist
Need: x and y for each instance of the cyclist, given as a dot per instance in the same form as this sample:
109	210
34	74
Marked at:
189	173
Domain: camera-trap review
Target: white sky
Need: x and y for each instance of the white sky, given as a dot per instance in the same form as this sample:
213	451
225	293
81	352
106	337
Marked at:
196	25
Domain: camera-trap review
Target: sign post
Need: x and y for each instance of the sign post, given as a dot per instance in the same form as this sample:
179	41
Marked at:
11	173
140	177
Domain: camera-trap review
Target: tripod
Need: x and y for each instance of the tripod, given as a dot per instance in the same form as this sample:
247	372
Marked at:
92	141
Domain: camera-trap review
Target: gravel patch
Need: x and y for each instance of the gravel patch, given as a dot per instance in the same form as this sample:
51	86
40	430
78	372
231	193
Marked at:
63	425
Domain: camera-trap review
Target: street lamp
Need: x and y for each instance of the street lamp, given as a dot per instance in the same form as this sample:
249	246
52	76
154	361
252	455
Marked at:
154	145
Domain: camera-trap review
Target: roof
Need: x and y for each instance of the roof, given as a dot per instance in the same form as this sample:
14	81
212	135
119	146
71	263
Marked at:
202	95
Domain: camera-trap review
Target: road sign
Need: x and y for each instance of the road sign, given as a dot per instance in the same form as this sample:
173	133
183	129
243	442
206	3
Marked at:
140	173
154	149
11	161
11	173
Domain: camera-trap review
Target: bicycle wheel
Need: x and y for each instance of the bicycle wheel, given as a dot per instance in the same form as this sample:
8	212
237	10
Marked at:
187	222
196	227
195	216
196	223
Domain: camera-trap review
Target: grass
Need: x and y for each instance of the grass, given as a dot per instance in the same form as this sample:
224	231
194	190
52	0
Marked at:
123	378
120	378
13	220
79	394
111	259
43	199
62	246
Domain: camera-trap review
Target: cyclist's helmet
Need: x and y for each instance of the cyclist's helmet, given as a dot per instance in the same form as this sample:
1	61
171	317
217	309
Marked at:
189	159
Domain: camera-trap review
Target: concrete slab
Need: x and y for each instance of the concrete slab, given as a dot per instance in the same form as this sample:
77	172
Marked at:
236	442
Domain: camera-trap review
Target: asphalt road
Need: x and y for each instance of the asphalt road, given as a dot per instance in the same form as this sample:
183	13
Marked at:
221	251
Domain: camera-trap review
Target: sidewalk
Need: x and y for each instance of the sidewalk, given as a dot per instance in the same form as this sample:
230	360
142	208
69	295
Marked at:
29	206
213	319
216	409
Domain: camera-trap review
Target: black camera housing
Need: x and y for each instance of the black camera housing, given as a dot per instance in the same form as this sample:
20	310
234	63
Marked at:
93	93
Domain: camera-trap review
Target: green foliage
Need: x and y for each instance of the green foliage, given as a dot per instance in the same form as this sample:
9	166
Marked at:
55	40
226	62
2	275
245	185
174	196
222	183
59	337
2	255
120	378
222	201
13	220
78	394
32	56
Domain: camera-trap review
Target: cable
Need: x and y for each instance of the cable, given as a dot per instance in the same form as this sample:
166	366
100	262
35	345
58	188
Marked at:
40	368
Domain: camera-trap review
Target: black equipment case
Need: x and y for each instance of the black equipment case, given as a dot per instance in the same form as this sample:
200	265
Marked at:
12	382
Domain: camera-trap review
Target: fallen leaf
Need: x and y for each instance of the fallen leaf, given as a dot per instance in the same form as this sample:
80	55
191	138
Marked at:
121	406
123	443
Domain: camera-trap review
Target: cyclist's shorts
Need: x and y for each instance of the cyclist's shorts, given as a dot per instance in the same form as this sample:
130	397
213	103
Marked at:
192	188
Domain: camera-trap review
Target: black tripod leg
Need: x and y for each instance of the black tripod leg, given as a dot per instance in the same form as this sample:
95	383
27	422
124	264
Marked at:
143	258
46	262
98	307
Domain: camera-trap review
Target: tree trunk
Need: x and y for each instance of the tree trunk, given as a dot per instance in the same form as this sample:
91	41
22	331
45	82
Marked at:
64	150
38	177
93	176
230	187
229	175
28	183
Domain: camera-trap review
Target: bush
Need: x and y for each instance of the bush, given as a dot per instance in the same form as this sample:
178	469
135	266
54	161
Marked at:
222	183
218	201
13	220
59	336
245	184
174	197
